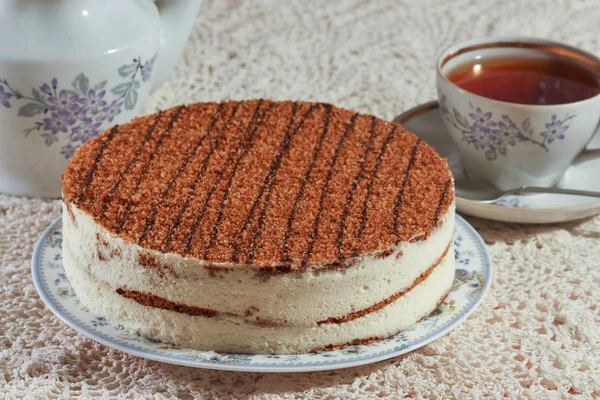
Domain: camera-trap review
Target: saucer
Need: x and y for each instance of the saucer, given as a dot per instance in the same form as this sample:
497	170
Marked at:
425	121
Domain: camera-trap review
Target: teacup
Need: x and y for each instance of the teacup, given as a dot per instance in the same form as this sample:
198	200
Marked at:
510	144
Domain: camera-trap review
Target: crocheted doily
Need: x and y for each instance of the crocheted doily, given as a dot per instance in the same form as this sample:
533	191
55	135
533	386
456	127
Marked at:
537	333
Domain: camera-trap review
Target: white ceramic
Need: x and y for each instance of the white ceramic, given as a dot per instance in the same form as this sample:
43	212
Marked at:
70	69
426	122
508	144
472	280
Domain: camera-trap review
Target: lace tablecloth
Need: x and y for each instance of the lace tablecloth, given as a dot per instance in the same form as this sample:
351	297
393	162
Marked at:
536	335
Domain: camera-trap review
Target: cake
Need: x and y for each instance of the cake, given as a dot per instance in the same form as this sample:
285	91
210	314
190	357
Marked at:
259	226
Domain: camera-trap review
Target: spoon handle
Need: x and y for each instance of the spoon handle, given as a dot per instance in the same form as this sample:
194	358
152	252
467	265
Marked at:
534	189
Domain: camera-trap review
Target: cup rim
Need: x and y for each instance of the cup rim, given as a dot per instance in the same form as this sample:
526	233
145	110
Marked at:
517	42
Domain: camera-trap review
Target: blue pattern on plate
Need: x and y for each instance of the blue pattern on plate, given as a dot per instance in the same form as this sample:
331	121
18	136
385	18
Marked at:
473	278
511	201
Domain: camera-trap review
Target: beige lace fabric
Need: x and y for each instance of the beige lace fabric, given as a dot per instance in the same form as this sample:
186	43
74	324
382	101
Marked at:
537	333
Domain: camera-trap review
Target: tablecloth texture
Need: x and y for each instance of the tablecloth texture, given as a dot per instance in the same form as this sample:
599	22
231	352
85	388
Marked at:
537	333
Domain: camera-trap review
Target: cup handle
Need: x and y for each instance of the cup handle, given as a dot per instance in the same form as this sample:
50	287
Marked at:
590	152
594	141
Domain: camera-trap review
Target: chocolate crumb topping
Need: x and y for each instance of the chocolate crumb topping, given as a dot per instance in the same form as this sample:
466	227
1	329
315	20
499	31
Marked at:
281	185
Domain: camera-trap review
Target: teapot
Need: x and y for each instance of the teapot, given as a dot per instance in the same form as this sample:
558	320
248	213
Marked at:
70	69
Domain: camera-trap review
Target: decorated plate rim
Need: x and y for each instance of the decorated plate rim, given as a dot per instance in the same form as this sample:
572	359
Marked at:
430	335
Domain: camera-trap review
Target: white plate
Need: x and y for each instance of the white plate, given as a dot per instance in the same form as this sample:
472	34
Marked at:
425	122
473	277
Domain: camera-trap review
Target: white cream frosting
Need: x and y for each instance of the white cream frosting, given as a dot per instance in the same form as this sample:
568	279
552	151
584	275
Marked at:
98	262
229	335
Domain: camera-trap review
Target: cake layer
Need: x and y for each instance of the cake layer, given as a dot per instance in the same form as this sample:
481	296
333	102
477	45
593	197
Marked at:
231	334
289	297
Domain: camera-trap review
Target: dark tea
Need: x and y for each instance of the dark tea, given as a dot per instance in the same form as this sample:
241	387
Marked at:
528	80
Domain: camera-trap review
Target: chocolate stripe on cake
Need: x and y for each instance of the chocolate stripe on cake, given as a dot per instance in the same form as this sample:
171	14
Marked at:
90	175
378	306
436	216
125	171
247	146
315	156
200	216
150	222
400	198
365	207
267	201
215	185
355	182
146	167
267	180
266	183
194	186
338	150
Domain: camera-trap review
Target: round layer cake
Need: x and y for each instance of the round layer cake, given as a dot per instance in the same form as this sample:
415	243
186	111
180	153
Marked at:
259	226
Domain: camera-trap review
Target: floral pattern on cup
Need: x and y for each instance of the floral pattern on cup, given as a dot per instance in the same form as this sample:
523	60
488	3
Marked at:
497	136
80	112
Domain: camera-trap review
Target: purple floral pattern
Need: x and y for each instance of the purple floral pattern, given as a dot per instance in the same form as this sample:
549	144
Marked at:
93	102
555	129
4	96
80	111
496	136
147	69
